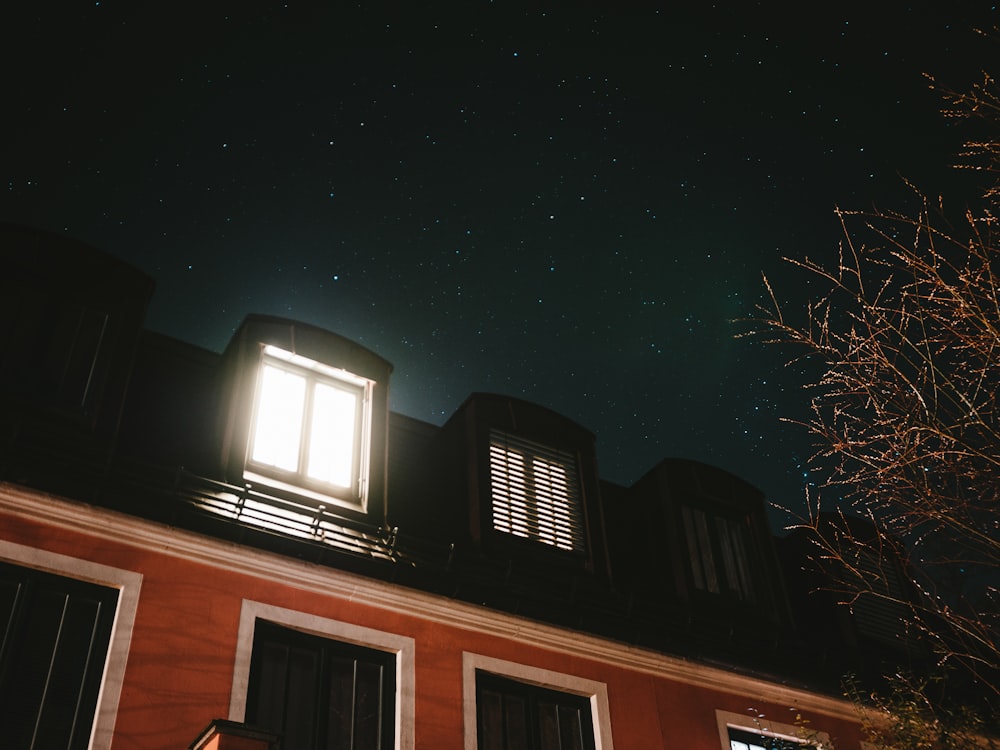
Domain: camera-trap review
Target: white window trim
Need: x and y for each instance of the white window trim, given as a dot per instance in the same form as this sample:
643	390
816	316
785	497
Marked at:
762	724
597	692
401	646
128	584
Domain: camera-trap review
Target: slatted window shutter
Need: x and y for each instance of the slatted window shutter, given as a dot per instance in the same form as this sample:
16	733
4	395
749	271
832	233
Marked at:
535	492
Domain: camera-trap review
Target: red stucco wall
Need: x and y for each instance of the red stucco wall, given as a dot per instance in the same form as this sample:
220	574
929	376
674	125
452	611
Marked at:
180	664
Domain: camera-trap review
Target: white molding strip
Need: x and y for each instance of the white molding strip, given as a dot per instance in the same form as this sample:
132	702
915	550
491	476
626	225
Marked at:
128	584
597	692
328	581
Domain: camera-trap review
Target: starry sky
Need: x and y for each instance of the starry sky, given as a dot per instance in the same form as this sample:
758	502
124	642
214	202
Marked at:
568	203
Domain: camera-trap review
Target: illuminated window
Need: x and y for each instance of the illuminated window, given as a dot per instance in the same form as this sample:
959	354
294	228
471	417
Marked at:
747	732
741	739
311	427
535	492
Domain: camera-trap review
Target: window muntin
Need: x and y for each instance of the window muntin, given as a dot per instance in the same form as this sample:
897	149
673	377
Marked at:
311	426
535	492
320	693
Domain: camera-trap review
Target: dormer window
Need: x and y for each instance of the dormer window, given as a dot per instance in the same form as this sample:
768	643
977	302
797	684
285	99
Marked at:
311	427
529	477
719	553
535	492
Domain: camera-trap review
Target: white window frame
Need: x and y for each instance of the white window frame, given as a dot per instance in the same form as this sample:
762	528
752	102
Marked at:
526	503
769	728
597	692
128	584
356	494
401	646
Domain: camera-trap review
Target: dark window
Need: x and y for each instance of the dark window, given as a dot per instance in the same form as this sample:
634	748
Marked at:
320	694
881	609
55	634
719	550
54	348
517	716
535	492
741	739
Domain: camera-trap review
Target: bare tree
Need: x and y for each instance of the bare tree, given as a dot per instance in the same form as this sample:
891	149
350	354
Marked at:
905	414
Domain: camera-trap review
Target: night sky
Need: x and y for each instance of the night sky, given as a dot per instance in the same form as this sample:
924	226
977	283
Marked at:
569	204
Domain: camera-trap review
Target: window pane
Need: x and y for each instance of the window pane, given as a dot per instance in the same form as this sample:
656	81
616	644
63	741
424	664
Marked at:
69	667
367	706
270	665
553	505
509	496
728	559
693	552
300	707
516	723
332	435
548	726
742	561
490	708
340	718
570	728
705	545
278	428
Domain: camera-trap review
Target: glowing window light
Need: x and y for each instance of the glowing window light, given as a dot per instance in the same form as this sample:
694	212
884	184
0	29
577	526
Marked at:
535	492
331	440
745	739
279	418
310	428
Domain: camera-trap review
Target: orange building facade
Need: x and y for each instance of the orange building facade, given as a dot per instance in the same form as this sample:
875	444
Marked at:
475	585
178	659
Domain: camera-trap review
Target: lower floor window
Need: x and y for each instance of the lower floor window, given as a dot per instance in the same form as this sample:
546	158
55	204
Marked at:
515	715
318	693
742	739
54	637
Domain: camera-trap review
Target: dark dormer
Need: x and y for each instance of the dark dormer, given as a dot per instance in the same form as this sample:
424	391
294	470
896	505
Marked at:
304	416
528	479
854	593
712	528
72	315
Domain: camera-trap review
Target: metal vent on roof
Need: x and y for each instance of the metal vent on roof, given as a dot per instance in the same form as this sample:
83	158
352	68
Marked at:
535	492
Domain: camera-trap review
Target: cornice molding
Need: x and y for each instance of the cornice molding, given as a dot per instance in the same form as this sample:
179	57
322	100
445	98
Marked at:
128	530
